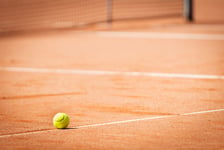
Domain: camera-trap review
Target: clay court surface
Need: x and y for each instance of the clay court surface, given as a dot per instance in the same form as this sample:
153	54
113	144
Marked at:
161	88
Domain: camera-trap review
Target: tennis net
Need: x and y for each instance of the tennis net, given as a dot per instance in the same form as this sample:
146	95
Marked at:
17	15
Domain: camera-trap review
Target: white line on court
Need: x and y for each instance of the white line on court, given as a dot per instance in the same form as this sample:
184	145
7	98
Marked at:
25	133
202	112
151	118
124	121
158	35
104	72
116	122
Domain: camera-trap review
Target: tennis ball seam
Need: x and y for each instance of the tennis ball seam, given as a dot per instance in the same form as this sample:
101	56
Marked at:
56	118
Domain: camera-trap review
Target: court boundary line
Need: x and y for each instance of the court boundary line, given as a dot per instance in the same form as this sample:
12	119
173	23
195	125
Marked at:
117	122
150	118
161	35
115	73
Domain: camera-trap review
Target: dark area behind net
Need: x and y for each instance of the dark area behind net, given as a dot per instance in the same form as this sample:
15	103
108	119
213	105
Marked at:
17	15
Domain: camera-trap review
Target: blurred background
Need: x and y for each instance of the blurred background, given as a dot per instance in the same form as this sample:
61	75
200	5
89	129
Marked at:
27	15
162	59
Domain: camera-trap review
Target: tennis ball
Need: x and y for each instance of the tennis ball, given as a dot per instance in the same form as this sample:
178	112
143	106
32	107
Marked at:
61	120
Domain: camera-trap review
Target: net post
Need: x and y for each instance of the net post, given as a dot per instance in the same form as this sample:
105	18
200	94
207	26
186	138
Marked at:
188	9
109	4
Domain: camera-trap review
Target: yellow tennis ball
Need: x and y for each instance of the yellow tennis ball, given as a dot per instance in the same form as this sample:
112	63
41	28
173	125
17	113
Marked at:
61	120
